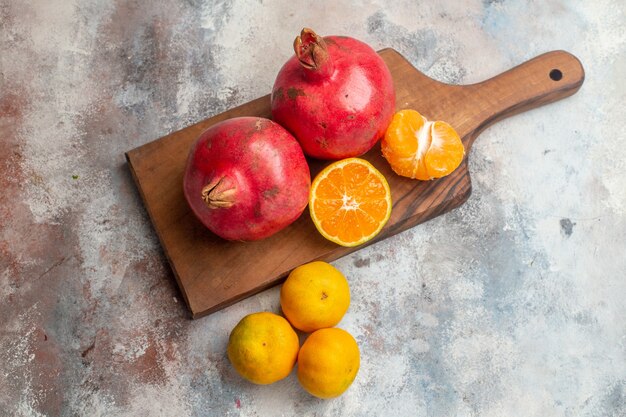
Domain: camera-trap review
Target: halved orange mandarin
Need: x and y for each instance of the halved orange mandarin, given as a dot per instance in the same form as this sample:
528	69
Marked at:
418	148
350	202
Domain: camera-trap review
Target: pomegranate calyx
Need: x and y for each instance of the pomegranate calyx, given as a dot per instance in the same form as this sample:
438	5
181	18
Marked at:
310	49
218	193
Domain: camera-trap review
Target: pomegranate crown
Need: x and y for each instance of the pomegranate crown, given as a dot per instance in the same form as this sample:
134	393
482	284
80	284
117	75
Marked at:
310	49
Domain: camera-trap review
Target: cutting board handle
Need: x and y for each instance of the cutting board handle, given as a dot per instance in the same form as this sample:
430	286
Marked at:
541	80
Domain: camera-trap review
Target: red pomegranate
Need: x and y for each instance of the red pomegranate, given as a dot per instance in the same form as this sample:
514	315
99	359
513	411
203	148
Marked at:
246	178
335	95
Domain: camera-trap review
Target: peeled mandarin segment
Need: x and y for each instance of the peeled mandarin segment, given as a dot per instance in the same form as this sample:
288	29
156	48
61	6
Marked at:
400	134
446	151
420	171
402	166
405	142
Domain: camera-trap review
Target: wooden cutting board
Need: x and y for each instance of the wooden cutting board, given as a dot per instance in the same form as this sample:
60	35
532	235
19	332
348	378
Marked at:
213	273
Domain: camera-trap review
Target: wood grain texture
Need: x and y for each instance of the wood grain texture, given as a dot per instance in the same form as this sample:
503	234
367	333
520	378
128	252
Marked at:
213	273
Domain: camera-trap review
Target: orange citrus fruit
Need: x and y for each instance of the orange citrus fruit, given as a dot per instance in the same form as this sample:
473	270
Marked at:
350	201
314	296
418	148
328	362
263	347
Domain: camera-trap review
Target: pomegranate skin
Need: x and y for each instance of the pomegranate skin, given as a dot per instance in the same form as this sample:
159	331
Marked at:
246	178
338	103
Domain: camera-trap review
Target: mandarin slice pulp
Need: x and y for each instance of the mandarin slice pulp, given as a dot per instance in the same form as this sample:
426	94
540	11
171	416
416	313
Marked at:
350	202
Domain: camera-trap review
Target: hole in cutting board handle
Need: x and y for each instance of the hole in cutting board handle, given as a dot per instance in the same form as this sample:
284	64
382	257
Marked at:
556	74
